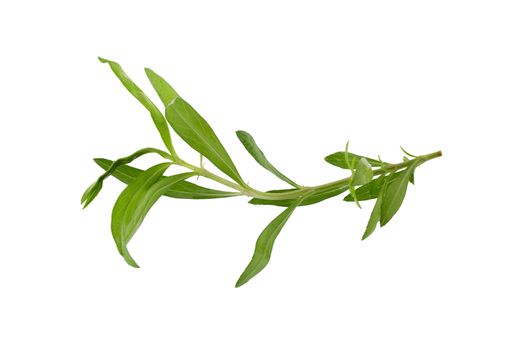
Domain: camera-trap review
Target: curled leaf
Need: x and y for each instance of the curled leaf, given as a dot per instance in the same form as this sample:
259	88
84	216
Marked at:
338	159
363	172
92	191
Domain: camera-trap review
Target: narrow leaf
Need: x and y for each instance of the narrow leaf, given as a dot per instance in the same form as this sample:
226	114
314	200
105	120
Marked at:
394	193
374	218
264	245
254	150
182	189
161	86
197	133
311	199
372	189
338	159
134	203
406	152
93	190
351	186
156	115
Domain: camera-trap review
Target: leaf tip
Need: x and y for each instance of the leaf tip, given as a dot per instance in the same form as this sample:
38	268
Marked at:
150	73
103	60
90	193
240	282
127	257
367	233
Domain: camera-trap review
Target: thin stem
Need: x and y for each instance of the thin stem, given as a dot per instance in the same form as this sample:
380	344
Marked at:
292	194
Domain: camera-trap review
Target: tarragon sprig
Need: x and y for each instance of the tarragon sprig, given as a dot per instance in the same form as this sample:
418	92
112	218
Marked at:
369	179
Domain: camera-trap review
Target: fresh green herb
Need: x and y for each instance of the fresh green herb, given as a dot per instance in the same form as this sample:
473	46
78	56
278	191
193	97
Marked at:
394	193
264	245
368	179
254	150
339	159
197	133
95	188
183	189
374	217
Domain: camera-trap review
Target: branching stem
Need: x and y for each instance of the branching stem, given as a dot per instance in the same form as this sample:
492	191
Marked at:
292	194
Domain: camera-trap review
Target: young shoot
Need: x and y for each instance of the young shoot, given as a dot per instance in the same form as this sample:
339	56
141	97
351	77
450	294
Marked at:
367	178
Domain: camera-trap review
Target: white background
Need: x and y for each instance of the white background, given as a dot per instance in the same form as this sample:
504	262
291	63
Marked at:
303	77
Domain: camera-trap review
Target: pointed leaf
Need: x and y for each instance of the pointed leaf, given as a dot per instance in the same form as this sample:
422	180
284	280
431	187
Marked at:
134	203
338	159
351	188
161	86
182	189
156	115
371	190
197	133
351	165
254	150
264	245
374	218
311	199
93	190
394	193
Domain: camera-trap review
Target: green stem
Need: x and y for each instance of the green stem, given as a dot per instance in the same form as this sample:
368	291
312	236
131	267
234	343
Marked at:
339	184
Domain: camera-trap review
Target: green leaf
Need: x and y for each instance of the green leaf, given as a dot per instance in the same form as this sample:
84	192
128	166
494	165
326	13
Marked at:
161	86
156	115
351	188
406	152
311	199
372	189
374	217
363	172
254	150
197	133
394	193
93	190
338	159
264	245
182	189
351	165
134	203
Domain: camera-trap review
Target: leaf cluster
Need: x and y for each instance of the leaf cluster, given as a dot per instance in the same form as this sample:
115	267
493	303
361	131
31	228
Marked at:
369	179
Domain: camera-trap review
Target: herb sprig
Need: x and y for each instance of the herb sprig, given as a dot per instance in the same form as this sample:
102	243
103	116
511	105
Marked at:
369	179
